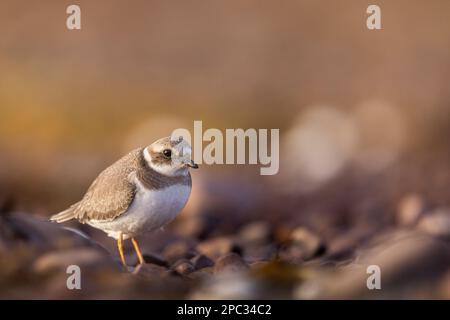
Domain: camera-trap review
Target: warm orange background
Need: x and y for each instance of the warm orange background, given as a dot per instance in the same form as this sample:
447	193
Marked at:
71	102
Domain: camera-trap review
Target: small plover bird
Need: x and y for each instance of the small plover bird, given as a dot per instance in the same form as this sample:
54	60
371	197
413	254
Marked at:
141	192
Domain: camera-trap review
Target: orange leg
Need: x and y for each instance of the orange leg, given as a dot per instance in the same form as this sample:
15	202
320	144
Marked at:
120	247
138	251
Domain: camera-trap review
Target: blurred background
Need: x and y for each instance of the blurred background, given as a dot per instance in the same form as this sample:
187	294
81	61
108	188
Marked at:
364	119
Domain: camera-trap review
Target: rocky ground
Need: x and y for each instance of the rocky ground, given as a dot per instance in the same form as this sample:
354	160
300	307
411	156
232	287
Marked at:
214	250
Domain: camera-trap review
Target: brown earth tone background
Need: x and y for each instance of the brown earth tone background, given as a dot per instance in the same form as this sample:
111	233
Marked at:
364	119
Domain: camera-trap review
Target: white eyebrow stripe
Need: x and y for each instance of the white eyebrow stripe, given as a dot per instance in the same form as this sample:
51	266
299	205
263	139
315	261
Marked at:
147	155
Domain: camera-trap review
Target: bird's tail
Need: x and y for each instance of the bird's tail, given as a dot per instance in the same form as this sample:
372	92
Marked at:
64	216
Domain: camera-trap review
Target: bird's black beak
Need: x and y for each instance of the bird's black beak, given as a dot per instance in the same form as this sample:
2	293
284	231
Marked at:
192	165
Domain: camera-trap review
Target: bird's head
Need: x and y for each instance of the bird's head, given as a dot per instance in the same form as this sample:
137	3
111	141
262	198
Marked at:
170	157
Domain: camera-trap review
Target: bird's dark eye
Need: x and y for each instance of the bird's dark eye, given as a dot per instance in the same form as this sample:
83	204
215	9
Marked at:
167	153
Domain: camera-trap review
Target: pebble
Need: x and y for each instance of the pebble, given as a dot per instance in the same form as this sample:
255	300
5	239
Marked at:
76	256
178	250
255	233
229	286
436	223
201	261
183	267
409	209
202	274
303	245
217	247
405	259
155	259
151	271
231	263
260	253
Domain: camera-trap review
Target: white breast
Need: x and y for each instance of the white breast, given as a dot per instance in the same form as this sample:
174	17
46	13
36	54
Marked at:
149	211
